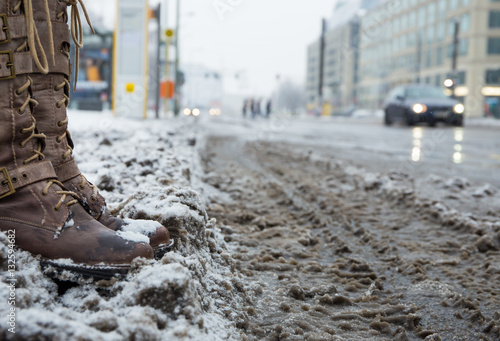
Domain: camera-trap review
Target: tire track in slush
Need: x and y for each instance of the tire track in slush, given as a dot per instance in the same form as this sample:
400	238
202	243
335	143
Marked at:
326	257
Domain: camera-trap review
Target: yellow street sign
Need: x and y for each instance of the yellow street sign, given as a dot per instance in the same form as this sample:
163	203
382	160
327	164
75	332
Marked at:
130	87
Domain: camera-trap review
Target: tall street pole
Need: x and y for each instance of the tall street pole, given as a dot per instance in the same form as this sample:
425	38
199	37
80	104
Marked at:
168	41
158	66
177	78
456	43
322	63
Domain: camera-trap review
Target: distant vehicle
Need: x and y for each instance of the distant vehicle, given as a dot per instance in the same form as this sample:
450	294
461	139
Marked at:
202	92
197	110
415	103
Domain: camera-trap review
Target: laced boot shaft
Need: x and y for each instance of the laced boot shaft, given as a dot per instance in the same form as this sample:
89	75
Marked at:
52	93
47	218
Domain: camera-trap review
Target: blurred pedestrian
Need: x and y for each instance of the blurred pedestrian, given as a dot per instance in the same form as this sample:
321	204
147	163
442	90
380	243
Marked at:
245	107
253	107
258	109
269	106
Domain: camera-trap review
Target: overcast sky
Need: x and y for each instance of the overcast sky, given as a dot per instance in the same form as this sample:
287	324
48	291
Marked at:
256	38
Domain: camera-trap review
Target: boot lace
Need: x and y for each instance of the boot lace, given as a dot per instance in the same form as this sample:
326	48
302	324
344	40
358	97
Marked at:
64	101
76	28
95	192
63	194
37	51
37	153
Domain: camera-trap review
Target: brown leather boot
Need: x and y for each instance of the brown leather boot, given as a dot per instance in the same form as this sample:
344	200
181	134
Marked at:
45	217
52	91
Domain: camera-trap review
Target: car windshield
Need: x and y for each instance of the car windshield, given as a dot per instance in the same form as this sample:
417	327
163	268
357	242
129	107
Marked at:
425	92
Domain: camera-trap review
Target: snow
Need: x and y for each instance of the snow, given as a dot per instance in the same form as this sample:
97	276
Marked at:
176	298
133	236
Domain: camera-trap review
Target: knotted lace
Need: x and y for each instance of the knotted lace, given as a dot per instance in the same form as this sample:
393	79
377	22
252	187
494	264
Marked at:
37	51
63	194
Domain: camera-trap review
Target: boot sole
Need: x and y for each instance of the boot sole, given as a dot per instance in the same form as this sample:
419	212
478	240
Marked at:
97	272
162	249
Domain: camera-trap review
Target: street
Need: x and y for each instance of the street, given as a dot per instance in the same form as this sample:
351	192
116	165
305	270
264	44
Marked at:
336	242
471	152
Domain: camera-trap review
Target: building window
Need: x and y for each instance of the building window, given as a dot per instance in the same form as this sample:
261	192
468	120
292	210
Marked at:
430	34
494	19
439	56
428	58
451	27
440	31
422	16
463	47
465	22
460	77
412	19
493	45
431	12
442	8
493	76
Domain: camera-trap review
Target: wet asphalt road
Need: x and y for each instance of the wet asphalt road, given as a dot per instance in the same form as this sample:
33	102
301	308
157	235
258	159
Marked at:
472	152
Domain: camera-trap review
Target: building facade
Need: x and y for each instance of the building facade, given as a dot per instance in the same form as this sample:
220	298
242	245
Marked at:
411	41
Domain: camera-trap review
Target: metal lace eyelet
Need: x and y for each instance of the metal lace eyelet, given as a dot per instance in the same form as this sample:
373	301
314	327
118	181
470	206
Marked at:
14	180
44	194
57	209
59	124
20	112
93	199
24	175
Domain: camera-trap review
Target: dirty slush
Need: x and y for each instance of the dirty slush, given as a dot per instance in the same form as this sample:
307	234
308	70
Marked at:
335	253
303	247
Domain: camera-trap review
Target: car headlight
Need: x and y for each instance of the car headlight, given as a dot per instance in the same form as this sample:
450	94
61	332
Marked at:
459	109
196	112
419	108
187	111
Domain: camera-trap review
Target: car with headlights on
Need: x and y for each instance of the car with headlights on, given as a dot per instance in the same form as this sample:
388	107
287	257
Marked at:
415	103
197	110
